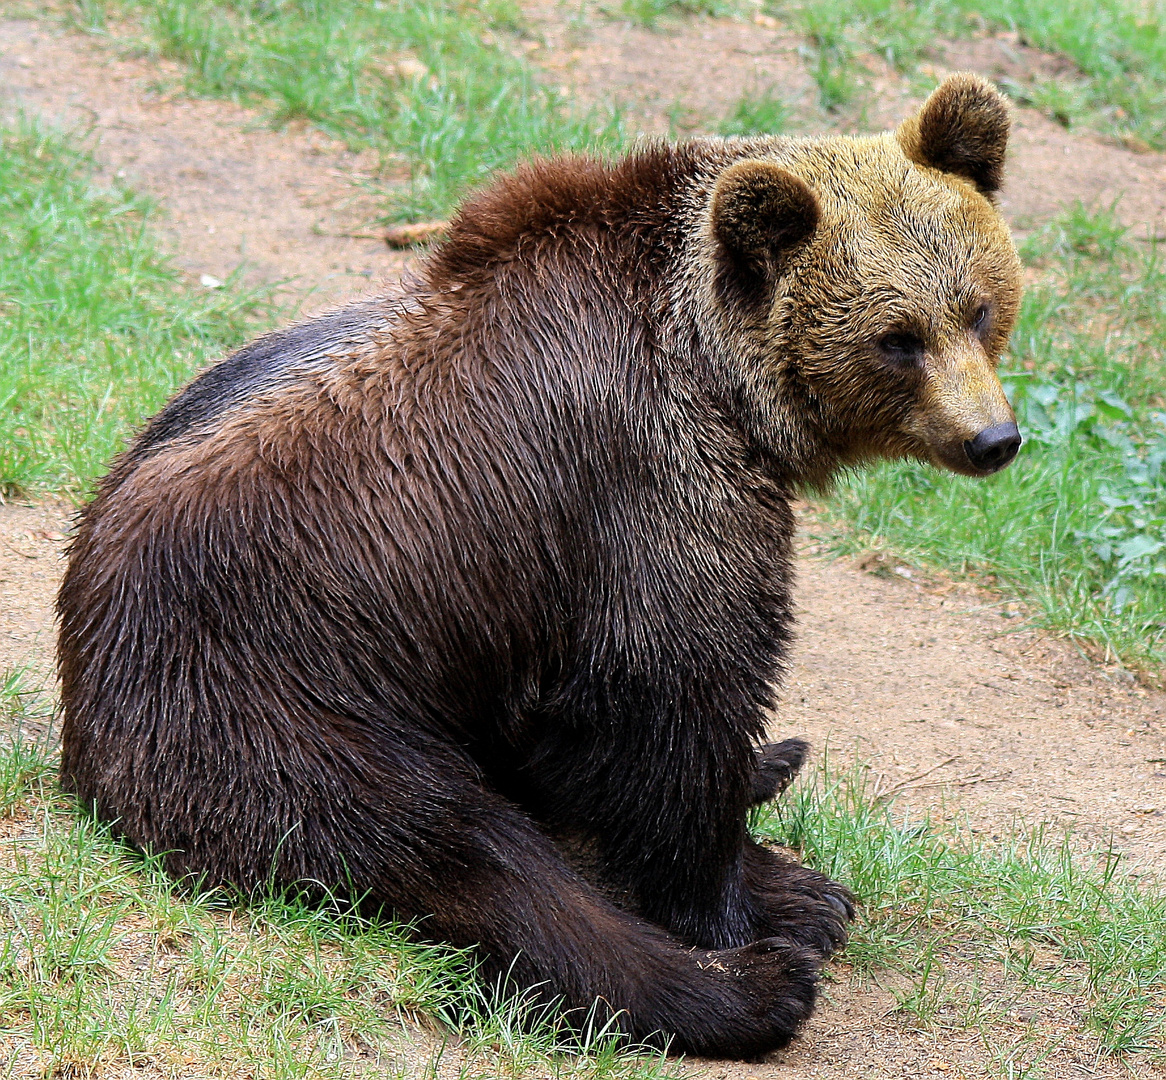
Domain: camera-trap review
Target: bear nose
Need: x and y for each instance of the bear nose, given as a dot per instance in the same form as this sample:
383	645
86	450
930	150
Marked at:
994	447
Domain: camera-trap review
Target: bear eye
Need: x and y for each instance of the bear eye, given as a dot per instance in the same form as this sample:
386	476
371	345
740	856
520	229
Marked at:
902	349
981	319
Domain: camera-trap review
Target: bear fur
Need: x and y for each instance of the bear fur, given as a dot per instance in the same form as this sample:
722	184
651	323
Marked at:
470	600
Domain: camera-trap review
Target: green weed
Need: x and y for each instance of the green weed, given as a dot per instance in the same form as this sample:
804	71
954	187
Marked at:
26	767
96	328
650	12
1117	47
830	55
1075	526
759	113
935	898
434	87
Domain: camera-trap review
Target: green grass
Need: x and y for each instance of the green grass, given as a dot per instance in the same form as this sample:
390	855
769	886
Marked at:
96	327
107	964
24	760
1030	918
1117	49
761	113
651	12
1076	527
435	87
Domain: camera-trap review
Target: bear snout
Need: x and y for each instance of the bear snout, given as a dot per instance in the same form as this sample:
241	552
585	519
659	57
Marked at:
994	447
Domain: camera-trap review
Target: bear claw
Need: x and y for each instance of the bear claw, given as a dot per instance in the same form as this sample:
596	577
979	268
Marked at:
797	904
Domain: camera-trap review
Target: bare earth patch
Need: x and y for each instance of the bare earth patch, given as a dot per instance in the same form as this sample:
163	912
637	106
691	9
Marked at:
952	701
669	80
32	541
283	206
964	710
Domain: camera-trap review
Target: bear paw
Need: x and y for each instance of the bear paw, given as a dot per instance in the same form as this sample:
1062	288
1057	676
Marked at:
777	765
763	994
797	904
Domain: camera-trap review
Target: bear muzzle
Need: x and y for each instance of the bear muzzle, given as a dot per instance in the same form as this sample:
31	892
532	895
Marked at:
973	449
962	416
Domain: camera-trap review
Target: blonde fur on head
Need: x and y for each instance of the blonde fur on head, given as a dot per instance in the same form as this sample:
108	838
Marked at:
874	329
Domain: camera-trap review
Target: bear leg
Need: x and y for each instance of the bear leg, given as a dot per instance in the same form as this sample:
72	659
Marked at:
682	866
484	875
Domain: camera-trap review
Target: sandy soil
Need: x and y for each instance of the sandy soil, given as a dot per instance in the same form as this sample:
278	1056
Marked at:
942	689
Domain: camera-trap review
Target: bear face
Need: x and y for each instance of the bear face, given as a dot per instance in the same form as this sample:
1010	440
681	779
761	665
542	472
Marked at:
876	285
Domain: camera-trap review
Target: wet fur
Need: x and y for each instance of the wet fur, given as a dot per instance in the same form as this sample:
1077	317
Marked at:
390	600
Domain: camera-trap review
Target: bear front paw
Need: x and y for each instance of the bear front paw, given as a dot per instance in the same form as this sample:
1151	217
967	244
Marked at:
762	994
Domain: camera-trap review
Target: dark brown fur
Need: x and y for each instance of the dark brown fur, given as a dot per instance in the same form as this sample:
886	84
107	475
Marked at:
387	601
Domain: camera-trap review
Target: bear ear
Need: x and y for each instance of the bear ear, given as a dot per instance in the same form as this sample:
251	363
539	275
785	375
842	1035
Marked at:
962	129
759	208
758	211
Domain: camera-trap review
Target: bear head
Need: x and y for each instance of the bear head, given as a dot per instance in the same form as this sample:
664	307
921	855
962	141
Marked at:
869	285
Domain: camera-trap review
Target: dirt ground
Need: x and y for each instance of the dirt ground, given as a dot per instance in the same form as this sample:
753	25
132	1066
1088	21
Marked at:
283	206
953	701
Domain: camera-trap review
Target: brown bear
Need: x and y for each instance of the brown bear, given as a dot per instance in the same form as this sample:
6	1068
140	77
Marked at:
470	600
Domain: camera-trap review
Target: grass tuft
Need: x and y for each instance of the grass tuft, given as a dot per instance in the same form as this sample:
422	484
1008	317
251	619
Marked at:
950	910
761	113
26	768
651	12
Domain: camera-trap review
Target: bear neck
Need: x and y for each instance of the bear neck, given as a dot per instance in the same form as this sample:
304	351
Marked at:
637	233
758	390
746	365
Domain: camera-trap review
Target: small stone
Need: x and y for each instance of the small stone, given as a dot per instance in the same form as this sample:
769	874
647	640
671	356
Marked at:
208	282
409	67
